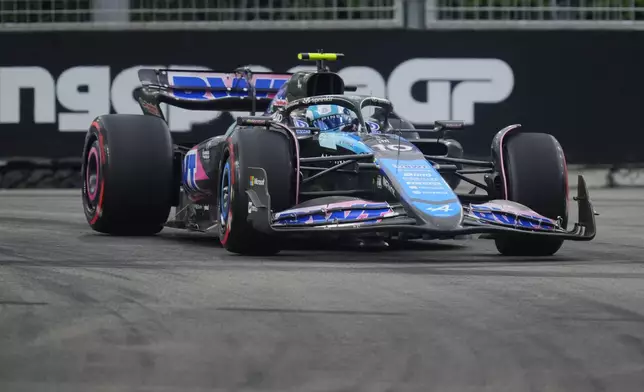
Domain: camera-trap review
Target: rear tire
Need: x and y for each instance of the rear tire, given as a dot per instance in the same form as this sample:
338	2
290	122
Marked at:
127	174
253	147
537	177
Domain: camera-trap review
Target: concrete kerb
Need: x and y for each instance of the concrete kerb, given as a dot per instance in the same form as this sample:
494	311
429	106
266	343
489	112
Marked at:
608	176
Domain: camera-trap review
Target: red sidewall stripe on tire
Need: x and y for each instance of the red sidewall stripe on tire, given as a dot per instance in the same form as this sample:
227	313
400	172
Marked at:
231	158
565	171
504	175
101	146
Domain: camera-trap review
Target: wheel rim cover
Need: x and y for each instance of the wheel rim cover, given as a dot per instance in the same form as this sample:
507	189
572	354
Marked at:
224	196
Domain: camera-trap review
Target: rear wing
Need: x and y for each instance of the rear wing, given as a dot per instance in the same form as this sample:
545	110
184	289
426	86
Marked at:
242	90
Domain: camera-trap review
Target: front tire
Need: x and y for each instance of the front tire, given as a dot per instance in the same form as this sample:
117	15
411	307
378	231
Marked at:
253	147
537	177
127	174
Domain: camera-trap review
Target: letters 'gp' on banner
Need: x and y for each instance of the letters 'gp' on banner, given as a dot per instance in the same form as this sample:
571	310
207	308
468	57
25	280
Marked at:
486	79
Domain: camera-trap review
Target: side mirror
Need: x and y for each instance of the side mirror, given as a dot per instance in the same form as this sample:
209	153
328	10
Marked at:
449	125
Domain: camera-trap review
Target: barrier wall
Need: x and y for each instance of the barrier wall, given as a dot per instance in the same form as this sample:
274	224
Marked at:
583	87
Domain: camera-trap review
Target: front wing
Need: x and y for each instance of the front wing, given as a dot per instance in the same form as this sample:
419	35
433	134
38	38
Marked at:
263	220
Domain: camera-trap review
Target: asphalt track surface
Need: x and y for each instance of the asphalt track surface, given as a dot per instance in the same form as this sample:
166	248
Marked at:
81	311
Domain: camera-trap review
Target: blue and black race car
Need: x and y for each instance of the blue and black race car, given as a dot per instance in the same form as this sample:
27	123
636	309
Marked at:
319	161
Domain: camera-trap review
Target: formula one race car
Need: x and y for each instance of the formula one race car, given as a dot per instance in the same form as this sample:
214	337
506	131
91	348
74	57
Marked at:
314	164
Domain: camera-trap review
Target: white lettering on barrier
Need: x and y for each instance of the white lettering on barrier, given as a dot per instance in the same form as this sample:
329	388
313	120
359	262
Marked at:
14	79
88	91
477	81
84	106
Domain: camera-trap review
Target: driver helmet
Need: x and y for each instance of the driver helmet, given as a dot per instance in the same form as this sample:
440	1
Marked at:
329	118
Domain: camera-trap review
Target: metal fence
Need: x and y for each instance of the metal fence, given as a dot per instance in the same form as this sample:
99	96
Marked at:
199	14
546	14
304	14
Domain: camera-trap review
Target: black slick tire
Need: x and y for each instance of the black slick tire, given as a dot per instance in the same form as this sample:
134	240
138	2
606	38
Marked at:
537	177
127	174
253	147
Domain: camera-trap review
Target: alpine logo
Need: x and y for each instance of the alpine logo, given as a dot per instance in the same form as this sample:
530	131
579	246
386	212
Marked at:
443	208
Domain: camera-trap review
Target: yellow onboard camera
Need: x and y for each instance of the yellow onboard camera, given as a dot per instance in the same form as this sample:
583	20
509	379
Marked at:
319	56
